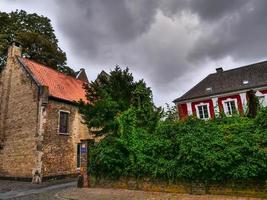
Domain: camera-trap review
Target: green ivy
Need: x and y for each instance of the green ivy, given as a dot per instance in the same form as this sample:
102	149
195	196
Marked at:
228	148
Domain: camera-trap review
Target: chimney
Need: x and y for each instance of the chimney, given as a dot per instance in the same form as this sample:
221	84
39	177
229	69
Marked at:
219	70
81	75
14	49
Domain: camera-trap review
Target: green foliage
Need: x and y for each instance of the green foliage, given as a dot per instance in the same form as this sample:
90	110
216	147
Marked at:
37	37
111	95
253	104
142	145
171	113
229	148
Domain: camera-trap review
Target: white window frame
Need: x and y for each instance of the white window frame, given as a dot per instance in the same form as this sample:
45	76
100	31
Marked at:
197	110
64	111
225	109
244	102
262	98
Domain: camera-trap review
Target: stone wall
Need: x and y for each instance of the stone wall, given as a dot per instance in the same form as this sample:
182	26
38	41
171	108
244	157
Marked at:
60	151
256	189
18	121
30	145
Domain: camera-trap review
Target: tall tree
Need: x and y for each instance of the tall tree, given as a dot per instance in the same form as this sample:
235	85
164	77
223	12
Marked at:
171	113
111	95
37	37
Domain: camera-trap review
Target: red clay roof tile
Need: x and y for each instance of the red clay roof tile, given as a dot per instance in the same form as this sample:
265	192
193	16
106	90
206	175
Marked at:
60	85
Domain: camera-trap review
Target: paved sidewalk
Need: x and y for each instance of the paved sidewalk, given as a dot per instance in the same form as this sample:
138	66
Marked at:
119	194
26	190
10	185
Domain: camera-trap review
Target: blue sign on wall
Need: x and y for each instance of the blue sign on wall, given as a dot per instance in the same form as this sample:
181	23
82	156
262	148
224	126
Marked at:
83	149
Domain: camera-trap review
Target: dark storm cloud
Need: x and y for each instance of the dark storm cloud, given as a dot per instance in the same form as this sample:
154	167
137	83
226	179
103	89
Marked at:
164	40
213	10
171	43
119	32
210	10
240	34
96	26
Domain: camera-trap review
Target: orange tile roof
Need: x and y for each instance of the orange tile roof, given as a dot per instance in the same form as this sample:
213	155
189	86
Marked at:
60	85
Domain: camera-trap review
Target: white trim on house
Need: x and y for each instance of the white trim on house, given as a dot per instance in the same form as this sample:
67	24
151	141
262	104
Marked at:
222	95
243	97
189	109
226	111
263	98
216	106
242	94
208	109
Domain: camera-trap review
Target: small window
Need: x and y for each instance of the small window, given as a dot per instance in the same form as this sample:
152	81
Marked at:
230	107
78	155
209	89
203	112
245	82
63	122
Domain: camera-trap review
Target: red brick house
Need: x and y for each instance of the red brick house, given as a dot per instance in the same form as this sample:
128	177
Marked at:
224	91
40	125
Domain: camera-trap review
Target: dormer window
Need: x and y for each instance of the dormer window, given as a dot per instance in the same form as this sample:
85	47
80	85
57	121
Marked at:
245	82
209	89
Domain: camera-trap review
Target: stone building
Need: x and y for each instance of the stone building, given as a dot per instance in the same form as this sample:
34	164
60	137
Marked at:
40	126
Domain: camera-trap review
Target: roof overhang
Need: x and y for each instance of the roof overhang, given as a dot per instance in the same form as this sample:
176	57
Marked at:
63	100
230	92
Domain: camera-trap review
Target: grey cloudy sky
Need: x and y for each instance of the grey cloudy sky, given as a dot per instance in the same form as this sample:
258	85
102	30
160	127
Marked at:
172	44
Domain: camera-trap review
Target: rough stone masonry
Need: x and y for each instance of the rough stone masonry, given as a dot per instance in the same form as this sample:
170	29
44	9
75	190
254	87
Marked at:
30	144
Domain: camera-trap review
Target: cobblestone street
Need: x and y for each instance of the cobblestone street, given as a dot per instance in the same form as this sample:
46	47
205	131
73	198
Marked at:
119	194
48	195
66	189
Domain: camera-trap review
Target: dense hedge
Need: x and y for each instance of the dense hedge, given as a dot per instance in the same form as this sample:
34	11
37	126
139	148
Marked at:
233	148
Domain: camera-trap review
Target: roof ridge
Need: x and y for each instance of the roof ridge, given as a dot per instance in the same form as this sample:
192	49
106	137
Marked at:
50	68
237	68
192	88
